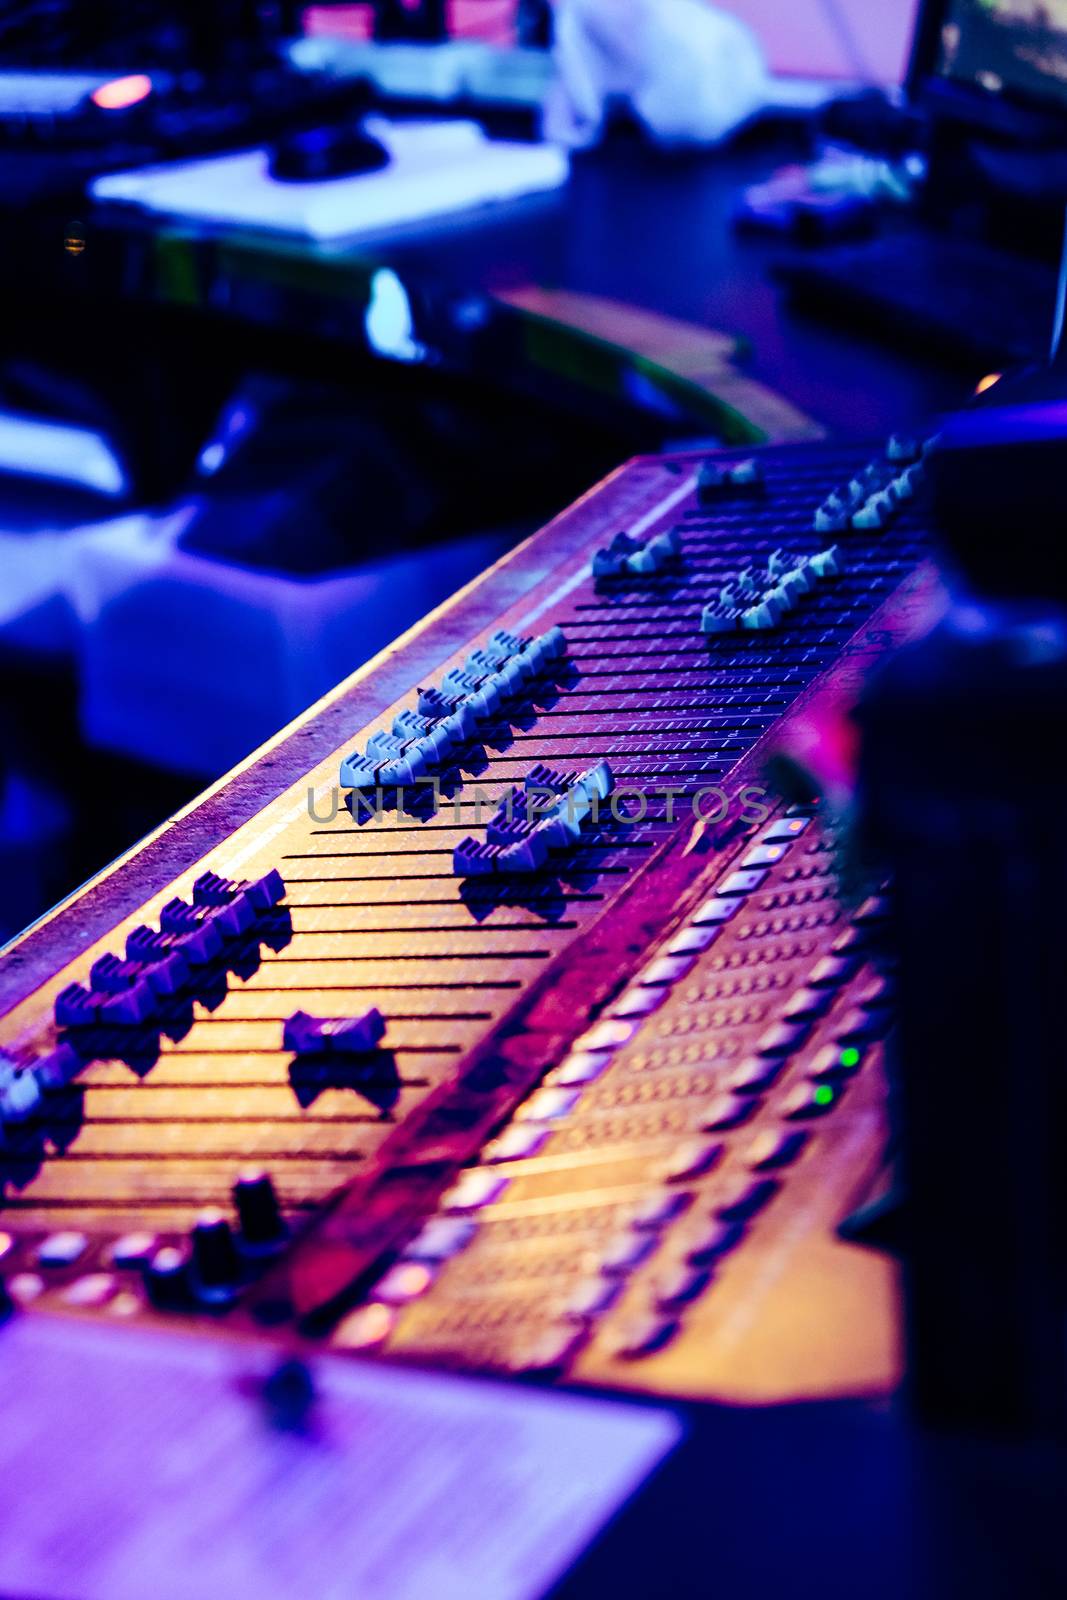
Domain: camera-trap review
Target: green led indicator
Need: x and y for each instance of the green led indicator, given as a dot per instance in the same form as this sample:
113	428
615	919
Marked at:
824	1095
850	1056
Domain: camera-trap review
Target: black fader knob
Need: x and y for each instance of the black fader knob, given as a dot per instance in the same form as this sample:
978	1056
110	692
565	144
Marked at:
262	1225
215	1266
166	1278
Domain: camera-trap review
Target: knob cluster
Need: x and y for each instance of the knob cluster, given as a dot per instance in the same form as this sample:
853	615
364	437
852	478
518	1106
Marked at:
218	1260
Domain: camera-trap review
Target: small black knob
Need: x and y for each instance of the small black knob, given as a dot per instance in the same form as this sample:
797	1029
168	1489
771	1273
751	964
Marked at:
166	1278
262	1224
215	1266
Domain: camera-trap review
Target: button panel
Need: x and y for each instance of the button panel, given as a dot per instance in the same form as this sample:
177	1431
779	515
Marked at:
710	1106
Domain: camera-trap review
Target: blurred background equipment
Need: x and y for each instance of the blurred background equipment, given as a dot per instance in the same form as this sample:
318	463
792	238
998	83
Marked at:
972	269
959	826
687	72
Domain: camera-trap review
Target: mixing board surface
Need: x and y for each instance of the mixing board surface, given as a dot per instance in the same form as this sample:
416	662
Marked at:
527	1021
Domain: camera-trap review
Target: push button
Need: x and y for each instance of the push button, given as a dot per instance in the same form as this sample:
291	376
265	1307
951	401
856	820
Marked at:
133	1249
862	1027
62	1249
880	992
404	1282
474	1189
681	1288
667	970
755	1075
692	940
554	1351
716	910
718	1239
583	1067
593	1298
646	1338
835	1061
516	1143
365	1327
440	1239
660	1208
693	1160
92	1291
786	829
742	882
638	1002
775	1147
811	1100
806	1004
832	971
764	855
726	1111
746	1199
782	1039
548	1105
611	1034
875	909
627	1252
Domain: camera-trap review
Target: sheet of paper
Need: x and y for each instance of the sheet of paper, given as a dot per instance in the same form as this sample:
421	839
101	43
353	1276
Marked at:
436	168
136	1463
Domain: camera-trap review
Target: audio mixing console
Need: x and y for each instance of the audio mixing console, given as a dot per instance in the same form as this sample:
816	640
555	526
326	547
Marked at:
497	1014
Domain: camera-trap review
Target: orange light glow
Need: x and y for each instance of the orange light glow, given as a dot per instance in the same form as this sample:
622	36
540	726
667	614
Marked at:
368	1325
988	381
408	1280
122	92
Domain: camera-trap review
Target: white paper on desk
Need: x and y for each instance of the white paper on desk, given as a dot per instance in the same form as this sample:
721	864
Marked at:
436	168
140	1465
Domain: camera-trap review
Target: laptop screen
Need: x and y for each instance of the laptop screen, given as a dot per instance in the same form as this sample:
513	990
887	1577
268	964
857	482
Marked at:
1013	46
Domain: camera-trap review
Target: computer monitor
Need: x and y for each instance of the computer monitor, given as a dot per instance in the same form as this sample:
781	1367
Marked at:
1009	50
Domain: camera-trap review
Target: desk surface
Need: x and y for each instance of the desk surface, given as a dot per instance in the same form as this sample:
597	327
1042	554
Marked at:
651	231
657	232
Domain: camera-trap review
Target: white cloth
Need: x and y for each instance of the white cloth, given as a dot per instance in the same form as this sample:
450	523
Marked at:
688	71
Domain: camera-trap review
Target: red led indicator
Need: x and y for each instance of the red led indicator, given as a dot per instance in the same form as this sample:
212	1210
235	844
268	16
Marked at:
122	92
